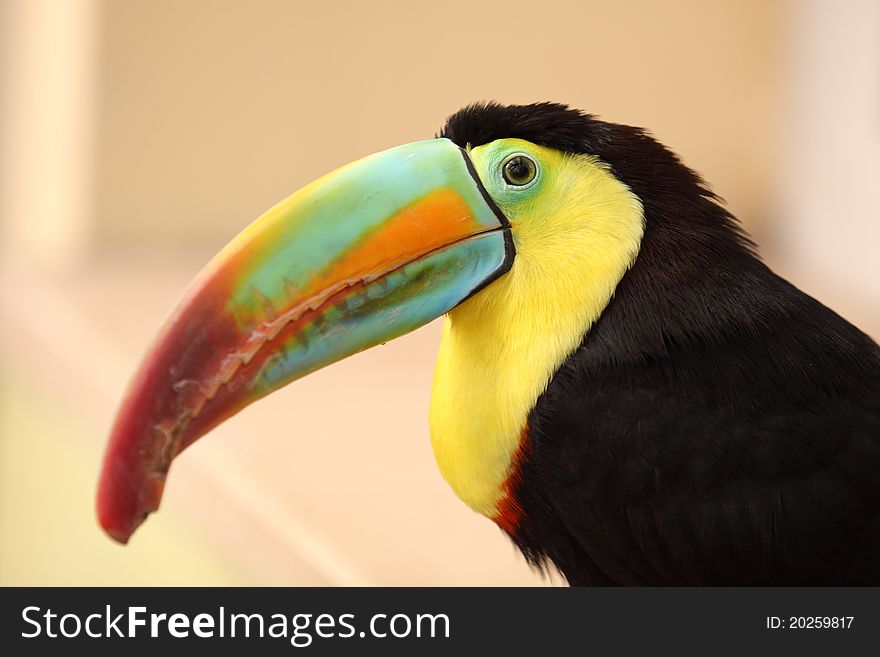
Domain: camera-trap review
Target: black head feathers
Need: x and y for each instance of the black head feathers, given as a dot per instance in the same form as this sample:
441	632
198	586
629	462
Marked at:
649	168
673	195
546	124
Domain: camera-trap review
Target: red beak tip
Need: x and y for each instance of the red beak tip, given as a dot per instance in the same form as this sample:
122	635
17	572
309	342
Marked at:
119	536
119	531
127	494
119	523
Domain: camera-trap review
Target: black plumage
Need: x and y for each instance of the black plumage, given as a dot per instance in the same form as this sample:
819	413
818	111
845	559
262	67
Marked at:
716	425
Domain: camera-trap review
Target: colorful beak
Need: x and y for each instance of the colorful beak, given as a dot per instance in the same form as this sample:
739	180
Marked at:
358	257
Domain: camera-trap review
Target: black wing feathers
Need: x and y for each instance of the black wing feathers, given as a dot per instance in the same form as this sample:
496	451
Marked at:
740	451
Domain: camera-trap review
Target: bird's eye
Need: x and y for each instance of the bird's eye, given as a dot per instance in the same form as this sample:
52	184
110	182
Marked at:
519	170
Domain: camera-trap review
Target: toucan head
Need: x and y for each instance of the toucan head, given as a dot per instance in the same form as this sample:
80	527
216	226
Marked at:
513	212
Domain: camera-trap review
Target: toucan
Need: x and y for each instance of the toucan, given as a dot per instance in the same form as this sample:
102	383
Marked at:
622	385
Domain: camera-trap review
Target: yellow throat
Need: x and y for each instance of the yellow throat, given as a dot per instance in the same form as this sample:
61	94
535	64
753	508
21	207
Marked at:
576	232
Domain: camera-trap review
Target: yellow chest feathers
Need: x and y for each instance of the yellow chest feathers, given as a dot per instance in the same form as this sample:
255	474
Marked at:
575	237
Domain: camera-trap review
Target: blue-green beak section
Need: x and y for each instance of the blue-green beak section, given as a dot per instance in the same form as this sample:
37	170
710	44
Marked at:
358	257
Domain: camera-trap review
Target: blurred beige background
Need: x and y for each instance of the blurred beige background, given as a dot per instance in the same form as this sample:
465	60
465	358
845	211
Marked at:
138	137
